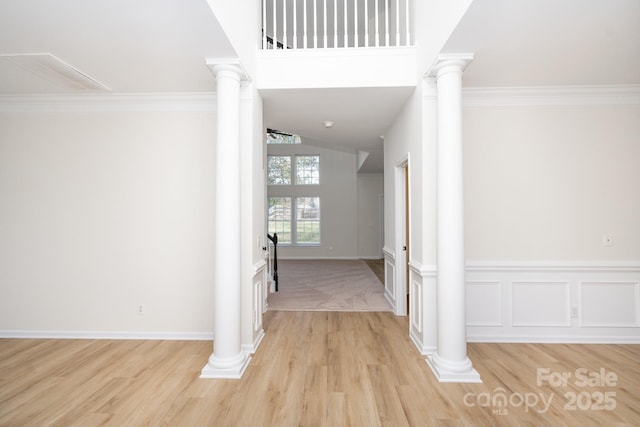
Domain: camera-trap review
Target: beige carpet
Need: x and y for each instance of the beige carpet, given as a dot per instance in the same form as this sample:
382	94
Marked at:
327	285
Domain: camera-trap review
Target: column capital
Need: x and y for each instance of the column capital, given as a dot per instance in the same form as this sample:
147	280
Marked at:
449	62
218	65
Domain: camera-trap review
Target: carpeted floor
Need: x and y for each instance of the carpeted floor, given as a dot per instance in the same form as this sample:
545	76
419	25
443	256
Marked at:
327	285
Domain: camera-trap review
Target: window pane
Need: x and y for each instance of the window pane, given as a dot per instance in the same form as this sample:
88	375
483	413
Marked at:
279	170
275	137
308	220
307	170
280	218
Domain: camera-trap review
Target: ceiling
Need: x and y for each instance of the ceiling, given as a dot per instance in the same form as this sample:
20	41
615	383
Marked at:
126	46
360	117
549	42
159	46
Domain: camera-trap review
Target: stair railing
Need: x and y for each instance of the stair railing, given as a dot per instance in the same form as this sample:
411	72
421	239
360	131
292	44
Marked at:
273	262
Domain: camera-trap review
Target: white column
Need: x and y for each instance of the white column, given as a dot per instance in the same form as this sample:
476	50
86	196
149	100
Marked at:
228	360
450	362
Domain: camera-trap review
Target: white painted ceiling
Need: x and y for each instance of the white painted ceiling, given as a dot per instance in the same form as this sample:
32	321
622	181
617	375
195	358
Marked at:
160	45
550	42
360	117
127	45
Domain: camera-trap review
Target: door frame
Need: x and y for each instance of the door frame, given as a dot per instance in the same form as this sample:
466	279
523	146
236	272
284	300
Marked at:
402	210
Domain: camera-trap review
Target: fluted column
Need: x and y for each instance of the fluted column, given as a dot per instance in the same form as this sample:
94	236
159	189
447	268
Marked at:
228	360
450	362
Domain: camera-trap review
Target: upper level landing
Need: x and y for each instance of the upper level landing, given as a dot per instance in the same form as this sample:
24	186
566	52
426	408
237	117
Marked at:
336	43
336	68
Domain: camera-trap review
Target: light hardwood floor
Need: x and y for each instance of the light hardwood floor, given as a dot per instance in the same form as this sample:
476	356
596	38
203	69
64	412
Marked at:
312	369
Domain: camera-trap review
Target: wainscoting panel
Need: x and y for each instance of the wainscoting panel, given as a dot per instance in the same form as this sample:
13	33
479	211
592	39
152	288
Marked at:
581	302
540	304
484	303
422	307
389	276
258	306
612	304
415	307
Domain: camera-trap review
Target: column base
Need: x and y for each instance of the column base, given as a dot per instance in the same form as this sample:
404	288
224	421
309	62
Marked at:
447	371
230	368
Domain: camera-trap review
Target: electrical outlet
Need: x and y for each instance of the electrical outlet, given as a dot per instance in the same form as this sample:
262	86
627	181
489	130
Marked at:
574	312
140	310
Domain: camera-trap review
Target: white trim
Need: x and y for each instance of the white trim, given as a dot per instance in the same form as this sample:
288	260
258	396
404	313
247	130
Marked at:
109	102
551	339
423	270
494	283
566	322
553	266
311	258
259	266
636	300
109	335
388	252
550	96
342	52
252	348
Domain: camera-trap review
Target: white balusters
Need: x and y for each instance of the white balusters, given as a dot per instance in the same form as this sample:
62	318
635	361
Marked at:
386	23
274	42
346	25
264	24
407	41
305	24
315	23
377	25
335	23
366	23
353	21
284	24
397	22
295	24
325	23
356	41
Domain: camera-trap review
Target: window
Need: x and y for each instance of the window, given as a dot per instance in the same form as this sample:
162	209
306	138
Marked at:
280	218
297	223
307	170
277	137
308	220
279	168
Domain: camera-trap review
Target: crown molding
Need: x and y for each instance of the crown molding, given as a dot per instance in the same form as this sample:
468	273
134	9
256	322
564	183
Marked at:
557	96
111	102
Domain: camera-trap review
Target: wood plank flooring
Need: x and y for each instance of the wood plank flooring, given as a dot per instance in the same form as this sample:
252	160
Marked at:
312	369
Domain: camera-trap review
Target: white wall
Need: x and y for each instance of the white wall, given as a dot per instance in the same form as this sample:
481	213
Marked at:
338	192
545	178
370	219
101	212
545	183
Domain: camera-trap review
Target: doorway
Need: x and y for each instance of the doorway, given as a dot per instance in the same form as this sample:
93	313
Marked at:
403	237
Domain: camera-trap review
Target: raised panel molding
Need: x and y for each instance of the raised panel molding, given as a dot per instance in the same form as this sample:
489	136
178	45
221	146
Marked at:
572	302
540	303
484	303
389	276
609	304
416	309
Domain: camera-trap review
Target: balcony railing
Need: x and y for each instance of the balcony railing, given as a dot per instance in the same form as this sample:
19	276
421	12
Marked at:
308	24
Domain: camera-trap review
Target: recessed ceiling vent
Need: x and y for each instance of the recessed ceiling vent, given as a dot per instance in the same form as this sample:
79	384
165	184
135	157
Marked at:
56	71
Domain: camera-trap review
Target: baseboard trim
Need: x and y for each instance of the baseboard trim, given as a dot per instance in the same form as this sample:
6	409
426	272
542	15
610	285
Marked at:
109	335
552	339
323	258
